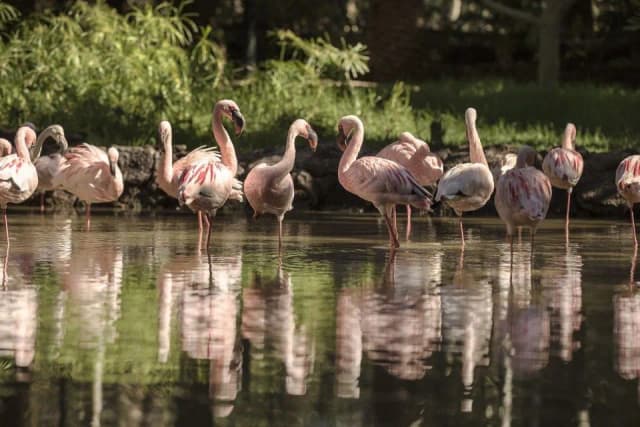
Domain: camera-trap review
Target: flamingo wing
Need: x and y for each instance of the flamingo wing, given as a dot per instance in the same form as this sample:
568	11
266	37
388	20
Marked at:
466	180
197	155
17	178
628	178
564	165
206	185
527	191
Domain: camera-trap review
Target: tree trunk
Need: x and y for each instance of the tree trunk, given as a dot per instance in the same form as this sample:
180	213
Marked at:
549	34
393	37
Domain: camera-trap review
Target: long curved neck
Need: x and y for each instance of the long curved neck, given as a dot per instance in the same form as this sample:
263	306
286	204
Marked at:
167	161
21	145
351	153
285	165
227	151
476	154
36	150
568	138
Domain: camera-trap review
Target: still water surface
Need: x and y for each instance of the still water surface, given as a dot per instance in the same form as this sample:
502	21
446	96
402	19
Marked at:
130	325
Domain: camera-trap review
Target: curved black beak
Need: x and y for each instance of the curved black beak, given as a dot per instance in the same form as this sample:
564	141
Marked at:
238	121
63	145
313	139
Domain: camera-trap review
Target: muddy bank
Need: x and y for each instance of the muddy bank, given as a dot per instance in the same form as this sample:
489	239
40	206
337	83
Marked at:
317	186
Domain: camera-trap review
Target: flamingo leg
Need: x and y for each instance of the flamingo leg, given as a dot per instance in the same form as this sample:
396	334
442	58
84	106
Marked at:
461	231
633	267
393	234
395	221
88	216
279	234
511	257
633	228
200	221
209	222
42	202
408	221
6	227
566	220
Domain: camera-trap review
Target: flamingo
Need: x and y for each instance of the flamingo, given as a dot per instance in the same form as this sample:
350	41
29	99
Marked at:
380	181
207	184
18	176
269	189
467	186
91	175
415	155
48	166
523	194
168	178
563	165
628	185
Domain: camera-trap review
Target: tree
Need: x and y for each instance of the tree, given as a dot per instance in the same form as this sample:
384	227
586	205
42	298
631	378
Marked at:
549	27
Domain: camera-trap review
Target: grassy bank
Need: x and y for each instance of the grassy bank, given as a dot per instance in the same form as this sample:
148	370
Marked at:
114	77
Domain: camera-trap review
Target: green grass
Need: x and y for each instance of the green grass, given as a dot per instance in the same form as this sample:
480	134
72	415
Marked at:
114	77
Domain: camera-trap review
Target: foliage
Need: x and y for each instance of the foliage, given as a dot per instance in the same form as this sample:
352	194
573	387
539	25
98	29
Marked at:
348	61
106	74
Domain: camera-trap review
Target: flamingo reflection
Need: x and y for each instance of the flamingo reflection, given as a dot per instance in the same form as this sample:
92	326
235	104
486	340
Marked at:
208	310
268	318
18	311
401	325
626	327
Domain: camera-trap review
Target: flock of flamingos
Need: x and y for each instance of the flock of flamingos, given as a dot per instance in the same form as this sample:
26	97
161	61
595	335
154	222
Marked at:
205	178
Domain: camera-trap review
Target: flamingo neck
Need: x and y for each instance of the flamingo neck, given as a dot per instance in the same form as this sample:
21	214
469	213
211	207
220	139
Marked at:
227	151
36	149
167	161
286	163
476	154
568	139
21	144
351	152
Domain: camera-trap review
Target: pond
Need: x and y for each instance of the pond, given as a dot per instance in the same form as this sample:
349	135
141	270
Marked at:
129	324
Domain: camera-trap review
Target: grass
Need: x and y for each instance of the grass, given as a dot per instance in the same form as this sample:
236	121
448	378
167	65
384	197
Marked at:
114	77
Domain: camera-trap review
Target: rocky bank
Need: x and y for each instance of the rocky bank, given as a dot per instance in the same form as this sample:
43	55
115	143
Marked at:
317	186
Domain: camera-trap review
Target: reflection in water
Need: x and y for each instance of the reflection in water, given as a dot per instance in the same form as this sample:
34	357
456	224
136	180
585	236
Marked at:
401	319
626	330
348	343
18	314
466	324
562	292
268	318
209	306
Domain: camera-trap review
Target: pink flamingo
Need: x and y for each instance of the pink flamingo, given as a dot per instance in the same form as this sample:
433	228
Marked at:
269	189
415	155
49	165
168	178
206	185
91	175
628	185
523	194
18	176
563	165
380	181
467	186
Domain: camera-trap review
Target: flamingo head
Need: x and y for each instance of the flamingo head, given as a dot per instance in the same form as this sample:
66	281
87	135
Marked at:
346	125
5	147
232	111
526	157
27	134
306	131
113	155
164	132
470	116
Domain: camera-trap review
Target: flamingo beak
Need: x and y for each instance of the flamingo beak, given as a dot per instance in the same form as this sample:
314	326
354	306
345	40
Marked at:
313	140
238	121
112	167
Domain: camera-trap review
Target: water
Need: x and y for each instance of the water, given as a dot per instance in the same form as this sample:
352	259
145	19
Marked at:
130	325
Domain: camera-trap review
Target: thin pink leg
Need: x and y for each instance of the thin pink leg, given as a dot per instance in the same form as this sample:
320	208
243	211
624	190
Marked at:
633	228
566	220
393	237
88	211
42	202
200	221
408	221
209	223
461	231
6	227
634	259
279	234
